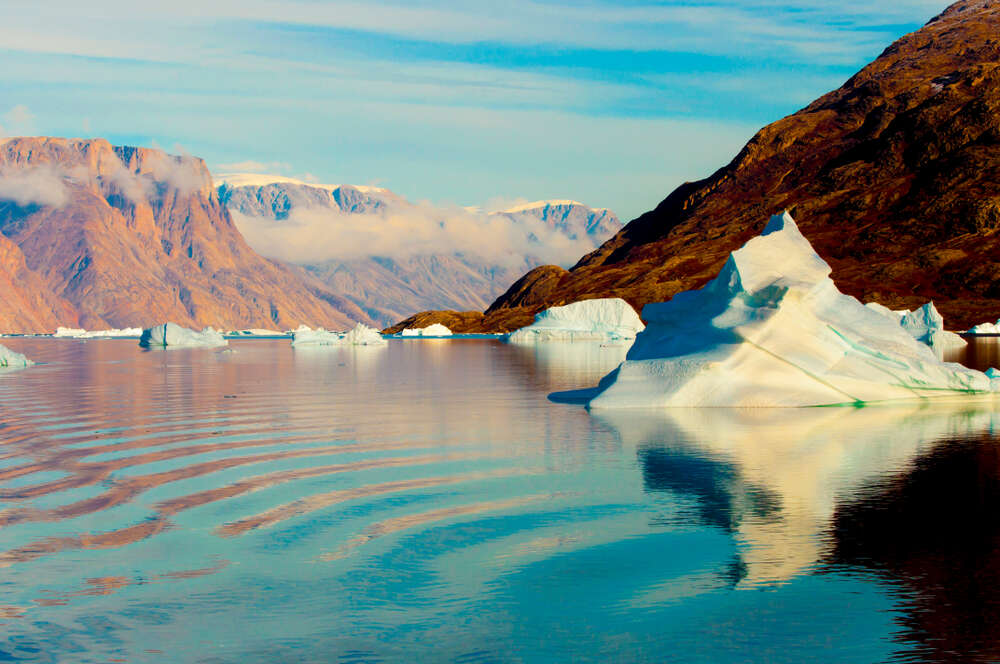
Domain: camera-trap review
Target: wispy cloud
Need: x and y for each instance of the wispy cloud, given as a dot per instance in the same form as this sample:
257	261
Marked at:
447	100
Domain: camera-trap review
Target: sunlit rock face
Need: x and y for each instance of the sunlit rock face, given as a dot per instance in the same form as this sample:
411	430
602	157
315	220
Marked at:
101	236
773	330
775	479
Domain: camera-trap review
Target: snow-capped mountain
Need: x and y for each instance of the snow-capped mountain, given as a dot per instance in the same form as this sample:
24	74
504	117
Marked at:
393	257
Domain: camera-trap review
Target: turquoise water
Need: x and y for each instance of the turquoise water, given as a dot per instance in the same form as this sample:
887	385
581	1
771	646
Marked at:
426	502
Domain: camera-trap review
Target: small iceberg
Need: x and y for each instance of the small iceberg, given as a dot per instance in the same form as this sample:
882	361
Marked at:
174	336
772	330
68	332
925	325
361	335
607	319
433	330
985	328
11	360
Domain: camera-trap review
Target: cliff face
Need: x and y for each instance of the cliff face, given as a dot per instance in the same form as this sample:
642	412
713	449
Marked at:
131	236
894	178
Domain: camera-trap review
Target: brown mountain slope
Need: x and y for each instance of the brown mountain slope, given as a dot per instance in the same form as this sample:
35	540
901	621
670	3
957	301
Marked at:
133	236
895	178
27	305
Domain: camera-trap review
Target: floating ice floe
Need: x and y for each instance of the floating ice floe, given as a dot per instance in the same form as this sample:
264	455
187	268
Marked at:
11	360
115	333
361	335
773	330
175	336
607	319
985	328
433	330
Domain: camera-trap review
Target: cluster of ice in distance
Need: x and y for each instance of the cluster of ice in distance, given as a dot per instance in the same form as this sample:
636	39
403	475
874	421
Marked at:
985	328
79	333
606	319
11	360
434	330
773	330
171	335
361	335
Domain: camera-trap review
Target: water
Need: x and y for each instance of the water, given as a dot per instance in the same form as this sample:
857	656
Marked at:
426	502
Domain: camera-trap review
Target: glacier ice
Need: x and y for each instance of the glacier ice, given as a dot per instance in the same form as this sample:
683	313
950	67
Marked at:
257	332
114	333
175	336
361	335
924	324
11	360
772	330
606	319
433	330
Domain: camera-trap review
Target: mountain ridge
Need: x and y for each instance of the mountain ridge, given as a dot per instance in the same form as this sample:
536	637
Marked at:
894	177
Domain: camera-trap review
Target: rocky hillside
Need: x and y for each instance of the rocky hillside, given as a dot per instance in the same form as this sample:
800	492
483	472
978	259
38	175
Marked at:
894	178
104	236
393	279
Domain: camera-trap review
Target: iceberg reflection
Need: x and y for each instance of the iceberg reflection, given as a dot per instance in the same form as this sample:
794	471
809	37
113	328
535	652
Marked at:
775	479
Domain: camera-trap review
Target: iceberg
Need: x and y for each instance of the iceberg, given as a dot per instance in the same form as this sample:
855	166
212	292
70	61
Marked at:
11	360
985	328
772	330
361	335
433	330
924	324
68	332
607	319
175	336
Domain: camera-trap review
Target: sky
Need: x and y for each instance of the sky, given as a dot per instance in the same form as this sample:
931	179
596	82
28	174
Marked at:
610	103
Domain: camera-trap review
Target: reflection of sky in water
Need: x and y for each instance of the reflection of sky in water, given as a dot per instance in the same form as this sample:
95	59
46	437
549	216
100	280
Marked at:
425	501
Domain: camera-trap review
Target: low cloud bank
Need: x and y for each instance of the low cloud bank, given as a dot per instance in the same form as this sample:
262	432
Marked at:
316	235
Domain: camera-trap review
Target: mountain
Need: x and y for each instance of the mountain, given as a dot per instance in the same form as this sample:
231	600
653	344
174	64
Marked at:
102	236
895	178
392	257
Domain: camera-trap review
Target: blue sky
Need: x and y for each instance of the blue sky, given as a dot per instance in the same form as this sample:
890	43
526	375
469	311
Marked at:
610	103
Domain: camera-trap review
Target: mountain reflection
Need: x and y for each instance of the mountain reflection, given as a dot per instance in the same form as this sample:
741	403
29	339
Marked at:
935	531
775	479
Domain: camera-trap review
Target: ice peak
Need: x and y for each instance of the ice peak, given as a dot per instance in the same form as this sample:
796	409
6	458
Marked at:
781	222
780	253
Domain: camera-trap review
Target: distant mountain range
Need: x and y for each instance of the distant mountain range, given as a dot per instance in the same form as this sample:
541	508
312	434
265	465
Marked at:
100	236
424	257
894	178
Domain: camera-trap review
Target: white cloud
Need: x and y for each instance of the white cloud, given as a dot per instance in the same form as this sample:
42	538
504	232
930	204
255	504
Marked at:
314	235
43	185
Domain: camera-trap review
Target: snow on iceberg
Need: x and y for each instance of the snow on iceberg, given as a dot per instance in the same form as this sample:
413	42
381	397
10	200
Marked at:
607	319
11	360
773	330
175	336
361	335
433	330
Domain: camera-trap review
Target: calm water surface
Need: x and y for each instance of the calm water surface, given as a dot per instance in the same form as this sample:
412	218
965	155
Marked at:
426	502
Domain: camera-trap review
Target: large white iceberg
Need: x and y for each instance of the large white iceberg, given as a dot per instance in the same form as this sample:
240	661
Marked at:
607	319
433	330
773	330
11	360
361	335
175	336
